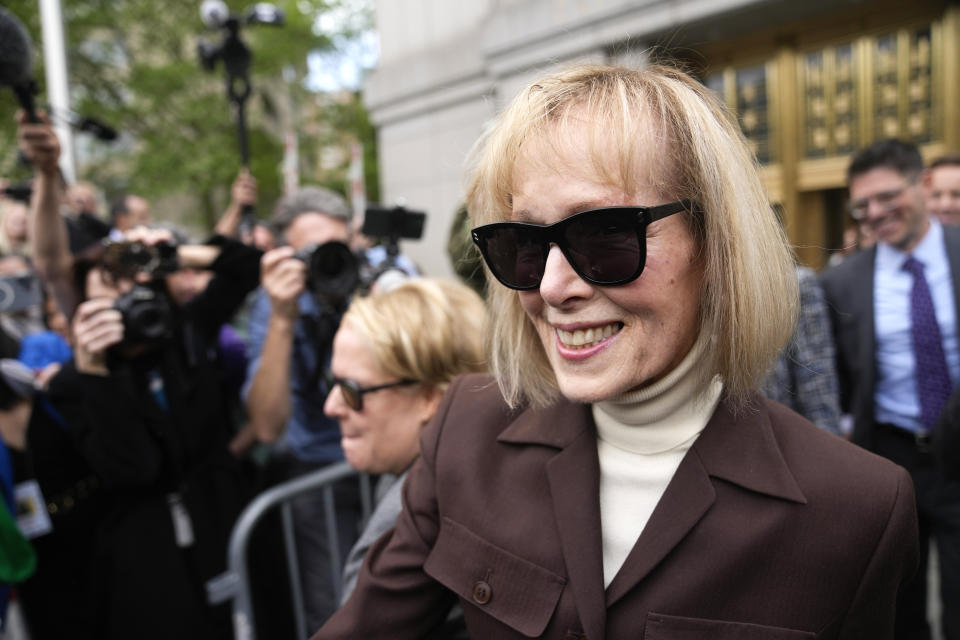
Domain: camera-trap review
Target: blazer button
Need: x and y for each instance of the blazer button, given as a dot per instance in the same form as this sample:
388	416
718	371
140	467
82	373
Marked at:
482	592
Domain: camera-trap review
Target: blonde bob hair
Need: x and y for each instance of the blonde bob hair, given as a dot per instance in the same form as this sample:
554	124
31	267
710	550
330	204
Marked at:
658	129
425	329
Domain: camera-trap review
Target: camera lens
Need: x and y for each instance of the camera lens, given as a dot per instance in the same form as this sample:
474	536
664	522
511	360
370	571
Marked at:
333	271
146	315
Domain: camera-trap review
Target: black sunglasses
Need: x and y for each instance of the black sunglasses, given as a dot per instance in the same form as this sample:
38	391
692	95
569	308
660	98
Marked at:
353	393
606	247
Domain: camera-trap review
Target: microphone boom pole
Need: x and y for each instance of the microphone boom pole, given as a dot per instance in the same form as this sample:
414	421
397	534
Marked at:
236	60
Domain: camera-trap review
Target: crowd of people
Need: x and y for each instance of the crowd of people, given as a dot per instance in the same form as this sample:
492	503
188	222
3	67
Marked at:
657	422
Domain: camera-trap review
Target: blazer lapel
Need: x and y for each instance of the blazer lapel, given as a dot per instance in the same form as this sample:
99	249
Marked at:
863	294
740	449
574	477
688	496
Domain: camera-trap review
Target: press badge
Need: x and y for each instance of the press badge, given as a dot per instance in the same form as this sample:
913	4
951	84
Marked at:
182	525
32	517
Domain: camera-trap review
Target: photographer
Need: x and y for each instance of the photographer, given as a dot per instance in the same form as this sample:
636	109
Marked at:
292	324
144	401
130	211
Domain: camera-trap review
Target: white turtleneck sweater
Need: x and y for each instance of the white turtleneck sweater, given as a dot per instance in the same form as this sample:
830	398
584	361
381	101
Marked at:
642	437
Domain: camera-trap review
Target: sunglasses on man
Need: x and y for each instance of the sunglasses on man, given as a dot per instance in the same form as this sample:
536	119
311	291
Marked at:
353	393
606	247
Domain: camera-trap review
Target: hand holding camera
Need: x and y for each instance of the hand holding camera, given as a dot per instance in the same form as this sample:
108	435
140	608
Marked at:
97	326
284	278
330	271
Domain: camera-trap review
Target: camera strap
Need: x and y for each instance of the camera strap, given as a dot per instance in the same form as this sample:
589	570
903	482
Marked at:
320	330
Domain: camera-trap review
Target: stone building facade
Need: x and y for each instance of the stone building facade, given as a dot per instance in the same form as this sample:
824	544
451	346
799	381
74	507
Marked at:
810	81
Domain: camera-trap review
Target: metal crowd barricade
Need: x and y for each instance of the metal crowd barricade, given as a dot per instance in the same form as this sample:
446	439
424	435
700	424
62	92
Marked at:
235	582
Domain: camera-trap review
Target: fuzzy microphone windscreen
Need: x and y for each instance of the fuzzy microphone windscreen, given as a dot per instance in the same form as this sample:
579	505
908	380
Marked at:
15	51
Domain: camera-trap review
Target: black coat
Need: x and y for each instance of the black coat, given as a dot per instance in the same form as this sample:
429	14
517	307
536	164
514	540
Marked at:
150	457
76	505
947	438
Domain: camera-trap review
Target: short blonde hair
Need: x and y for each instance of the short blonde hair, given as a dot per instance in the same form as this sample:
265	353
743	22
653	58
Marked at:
658	128
425	329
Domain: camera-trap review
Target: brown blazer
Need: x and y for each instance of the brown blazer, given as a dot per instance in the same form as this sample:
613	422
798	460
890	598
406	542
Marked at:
771	529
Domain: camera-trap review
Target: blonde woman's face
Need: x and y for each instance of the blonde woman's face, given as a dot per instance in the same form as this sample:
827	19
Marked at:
384	436
603	341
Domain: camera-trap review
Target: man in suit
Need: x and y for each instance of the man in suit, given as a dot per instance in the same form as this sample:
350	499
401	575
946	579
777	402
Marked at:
894	309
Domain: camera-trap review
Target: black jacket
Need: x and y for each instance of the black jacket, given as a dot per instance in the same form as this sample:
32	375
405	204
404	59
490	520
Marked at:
155	432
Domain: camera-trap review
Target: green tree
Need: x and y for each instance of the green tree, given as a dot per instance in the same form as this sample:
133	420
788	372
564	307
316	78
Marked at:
133	63
345	119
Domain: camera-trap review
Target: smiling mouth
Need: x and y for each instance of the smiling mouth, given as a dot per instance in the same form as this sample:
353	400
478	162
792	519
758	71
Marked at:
585	338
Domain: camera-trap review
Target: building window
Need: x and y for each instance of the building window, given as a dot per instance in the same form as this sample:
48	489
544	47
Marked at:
828	84
919	90
752	109
886	121
746	91
903	85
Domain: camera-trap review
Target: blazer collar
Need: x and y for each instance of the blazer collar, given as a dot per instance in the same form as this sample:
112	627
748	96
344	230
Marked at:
736	446
739	446
556	426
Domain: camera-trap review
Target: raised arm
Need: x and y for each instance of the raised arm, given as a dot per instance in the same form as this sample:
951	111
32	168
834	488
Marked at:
48	230
243	193
269	395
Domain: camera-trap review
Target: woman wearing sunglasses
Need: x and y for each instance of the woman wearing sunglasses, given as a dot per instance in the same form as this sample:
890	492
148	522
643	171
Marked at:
393	356
619	477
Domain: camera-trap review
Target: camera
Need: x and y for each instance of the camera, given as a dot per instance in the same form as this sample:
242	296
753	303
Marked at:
389	225
19	292
333	271
147	316
393	223
124	259
18	192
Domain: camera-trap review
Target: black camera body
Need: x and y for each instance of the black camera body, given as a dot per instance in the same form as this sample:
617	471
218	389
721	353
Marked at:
147	315
393	223
389	225
18	192
124	259
19	292
333	271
